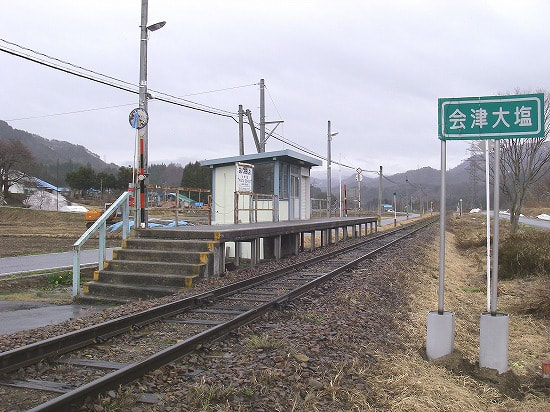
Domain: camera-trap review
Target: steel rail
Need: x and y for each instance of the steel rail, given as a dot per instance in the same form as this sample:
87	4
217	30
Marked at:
172	353
29	354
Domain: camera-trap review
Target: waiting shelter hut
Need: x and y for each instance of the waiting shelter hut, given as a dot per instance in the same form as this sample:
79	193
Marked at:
260	187
279	187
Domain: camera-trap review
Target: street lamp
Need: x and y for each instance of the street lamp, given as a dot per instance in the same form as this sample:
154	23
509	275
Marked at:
330	136
142	137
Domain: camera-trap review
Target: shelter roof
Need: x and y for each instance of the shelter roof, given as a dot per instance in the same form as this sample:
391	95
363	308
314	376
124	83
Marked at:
285	155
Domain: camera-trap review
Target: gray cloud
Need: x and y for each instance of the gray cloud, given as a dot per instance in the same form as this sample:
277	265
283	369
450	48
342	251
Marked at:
375	69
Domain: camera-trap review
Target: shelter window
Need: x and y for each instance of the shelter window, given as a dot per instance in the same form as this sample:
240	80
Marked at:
284	180
263	178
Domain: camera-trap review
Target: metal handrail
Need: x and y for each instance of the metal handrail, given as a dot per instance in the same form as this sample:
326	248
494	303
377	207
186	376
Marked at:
100	226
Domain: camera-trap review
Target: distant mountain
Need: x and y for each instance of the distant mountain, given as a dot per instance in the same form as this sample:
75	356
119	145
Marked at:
53	159
420	184
49	152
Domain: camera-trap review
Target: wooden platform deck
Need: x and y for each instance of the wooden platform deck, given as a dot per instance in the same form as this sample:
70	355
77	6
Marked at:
250	231
278	239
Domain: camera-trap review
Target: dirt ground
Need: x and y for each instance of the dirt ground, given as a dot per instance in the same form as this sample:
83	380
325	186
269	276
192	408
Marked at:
26	232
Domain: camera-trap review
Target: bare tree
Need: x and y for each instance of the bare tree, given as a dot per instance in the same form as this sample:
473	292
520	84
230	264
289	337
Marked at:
523	162
474	166
15	158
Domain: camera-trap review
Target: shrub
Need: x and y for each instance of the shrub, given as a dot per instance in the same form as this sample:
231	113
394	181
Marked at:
525	254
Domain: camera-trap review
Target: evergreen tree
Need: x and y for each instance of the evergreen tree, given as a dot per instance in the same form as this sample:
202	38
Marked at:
196	176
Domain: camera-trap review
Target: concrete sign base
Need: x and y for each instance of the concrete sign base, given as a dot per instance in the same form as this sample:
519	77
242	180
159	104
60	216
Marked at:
493	341
440	339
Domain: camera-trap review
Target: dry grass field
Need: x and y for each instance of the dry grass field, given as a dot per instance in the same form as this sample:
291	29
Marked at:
25	231
405	381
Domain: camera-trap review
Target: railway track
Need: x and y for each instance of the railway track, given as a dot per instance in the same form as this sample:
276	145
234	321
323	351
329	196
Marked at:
69	368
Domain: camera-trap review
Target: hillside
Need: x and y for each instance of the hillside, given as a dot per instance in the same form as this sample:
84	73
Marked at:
48	152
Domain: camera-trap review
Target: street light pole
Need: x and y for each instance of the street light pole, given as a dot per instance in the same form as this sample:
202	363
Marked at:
329	139
140	216
328	170
142	135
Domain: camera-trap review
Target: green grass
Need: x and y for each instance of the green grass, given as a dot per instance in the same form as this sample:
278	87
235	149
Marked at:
60	279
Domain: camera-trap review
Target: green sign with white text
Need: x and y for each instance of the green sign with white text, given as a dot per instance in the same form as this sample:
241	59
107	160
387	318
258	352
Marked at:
491	117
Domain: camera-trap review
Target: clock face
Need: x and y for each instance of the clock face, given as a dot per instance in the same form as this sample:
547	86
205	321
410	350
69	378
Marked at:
138	118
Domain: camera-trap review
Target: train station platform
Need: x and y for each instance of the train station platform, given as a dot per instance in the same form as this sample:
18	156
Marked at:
279	239
162	261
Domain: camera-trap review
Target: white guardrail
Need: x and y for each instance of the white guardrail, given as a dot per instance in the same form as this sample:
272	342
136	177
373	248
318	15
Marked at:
100	226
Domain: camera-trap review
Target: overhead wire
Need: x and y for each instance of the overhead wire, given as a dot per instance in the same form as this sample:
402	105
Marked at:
119	80
302	148
65	62
273	101
132	88
72	112
221	90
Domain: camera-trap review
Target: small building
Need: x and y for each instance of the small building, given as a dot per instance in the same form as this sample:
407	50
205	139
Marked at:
260	187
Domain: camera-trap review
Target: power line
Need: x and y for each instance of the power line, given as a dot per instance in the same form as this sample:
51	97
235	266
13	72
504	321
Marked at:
389	180
73	72
213	110
116	79
204	108
302	148
221	90
189	101
73	112
272	101
66	62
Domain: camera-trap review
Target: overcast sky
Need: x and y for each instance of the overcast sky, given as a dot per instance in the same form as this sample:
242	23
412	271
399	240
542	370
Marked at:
374	68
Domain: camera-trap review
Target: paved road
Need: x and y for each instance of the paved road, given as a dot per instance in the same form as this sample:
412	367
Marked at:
31	263
389	221
529	221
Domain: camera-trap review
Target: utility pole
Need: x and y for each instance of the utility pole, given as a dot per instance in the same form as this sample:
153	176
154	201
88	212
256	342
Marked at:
262	116
380	196
241	130
407	196
358	193
340	192
328	170
253	130
57	184
142	135
345	201
394	210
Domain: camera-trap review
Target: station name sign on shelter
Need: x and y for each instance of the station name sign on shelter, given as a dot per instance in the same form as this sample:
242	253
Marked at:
491	117
244	177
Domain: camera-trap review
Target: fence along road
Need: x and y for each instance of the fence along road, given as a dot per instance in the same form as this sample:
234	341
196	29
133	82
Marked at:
58	261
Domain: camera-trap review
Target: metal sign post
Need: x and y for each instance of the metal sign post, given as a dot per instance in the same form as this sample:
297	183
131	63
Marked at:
488	224
481	118
441	324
